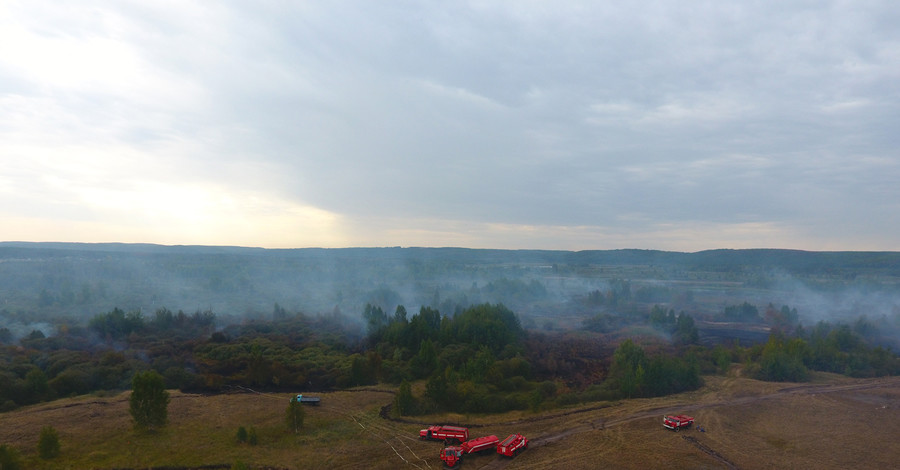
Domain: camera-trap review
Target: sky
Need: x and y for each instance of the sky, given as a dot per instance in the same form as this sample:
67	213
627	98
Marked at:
671	125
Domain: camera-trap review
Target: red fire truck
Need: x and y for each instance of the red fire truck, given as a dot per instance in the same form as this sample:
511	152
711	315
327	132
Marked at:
442	433
512	445
453	455
677	422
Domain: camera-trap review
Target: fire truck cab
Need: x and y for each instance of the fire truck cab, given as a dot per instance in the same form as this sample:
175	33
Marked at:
452	456
677	422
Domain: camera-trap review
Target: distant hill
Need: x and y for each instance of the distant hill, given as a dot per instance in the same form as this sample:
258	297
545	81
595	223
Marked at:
47	280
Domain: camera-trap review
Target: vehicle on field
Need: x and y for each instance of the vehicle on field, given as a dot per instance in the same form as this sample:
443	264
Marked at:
452	455
512	445
308	400
676	422
443	433
480	444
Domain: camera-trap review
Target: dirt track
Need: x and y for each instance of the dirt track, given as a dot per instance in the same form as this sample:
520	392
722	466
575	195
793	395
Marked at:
595	424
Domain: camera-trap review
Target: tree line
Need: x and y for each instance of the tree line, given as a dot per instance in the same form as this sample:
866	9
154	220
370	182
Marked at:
474	359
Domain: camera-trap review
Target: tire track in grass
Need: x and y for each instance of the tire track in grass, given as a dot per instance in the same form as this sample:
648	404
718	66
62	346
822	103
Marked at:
810	389
351	416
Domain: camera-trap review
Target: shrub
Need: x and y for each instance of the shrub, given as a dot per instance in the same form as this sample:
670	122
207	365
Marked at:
48	444
293	415
9	458
149	403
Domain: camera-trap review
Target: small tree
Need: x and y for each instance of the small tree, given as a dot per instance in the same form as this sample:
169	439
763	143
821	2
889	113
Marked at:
404	401
241	434
294	414
48	444
149	400
9	458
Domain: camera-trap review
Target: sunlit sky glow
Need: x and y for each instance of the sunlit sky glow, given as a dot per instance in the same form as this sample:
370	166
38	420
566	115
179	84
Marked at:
501	124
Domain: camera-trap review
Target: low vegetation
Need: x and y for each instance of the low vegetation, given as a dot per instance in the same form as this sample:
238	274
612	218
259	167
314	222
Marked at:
478	360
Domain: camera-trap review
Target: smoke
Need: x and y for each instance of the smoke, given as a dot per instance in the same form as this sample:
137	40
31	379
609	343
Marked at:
72	283
19	329
838	302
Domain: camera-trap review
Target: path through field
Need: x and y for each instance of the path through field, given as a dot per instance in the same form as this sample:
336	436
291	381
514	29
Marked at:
591	423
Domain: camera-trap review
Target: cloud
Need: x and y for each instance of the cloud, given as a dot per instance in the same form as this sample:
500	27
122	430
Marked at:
485	123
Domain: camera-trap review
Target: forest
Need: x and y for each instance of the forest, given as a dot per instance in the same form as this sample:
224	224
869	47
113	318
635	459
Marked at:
491	330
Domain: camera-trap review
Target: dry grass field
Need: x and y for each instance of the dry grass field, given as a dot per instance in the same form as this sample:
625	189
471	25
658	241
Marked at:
833	422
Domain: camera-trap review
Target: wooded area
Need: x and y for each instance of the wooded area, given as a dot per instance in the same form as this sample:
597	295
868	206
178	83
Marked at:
495	330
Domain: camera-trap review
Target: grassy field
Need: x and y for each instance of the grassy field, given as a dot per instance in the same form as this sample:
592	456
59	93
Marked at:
831	423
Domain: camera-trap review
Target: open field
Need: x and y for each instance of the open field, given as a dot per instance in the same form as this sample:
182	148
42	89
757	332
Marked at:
832	422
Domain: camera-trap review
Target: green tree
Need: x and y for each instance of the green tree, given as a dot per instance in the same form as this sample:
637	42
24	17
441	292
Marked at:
149	403
48	444
721	357
782	360
9	458
404	400
685	330
241	435
294	414
745	312
425	361
6	336
37	384
627	369
376	320
361	371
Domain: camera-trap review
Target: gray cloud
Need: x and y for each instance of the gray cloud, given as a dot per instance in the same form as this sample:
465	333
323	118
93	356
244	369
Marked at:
645	119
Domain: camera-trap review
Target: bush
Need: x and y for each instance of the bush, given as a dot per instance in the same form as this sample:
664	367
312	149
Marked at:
9	458
48	444
404	401
149	403
293	415
241	435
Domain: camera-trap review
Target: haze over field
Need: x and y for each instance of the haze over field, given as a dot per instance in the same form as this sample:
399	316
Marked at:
575	125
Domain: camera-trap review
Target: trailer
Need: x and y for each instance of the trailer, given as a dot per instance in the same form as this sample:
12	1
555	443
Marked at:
677	422
512	445
443	433
480	444
452	455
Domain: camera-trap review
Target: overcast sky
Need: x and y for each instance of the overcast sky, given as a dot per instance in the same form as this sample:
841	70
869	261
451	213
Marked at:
677	125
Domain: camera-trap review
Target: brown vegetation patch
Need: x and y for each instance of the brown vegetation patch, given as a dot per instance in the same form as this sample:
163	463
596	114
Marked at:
834	423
